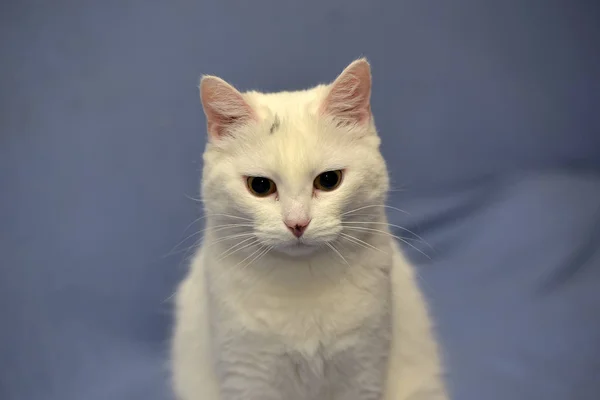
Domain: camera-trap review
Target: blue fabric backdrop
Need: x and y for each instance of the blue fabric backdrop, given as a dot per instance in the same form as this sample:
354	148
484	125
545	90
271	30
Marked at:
489	115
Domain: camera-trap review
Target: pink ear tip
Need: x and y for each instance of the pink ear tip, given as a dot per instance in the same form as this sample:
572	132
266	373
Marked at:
362	62
209	81
361	68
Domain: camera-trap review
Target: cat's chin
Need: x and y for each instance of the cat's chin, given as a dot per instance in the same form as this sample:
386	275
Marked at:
297	249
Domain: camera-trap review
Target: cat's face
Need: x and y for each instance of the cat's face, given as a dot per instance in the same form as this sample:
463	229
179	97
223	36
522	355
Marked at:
285	171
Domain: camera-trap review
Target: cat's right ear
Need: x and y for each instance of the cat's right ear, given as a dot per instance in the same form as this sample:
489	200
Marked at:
349	97
224	106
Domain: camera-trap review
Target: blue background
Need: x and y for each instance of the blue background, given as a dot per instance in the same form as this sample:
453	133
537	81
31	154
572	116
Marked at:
489	115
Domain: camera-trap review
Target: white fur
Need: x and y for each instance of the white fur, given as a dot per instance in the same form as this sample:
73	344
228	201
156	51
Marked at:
334	315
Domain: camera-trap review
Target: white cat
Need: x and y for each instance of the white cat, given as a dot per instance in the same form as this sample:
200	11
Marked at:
299	291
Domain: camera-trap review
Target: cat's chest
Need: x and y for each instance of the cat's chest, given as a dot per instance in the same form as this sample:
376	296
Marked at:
326	307
311	327
318	375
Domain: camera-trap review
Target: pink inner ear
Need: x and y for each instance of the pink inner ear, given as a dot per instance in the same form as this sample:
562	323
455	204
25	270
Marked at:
224	106
350	94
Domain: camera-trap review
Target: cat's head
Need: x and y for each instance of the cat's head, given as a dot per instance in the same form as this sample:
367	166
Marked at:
286	170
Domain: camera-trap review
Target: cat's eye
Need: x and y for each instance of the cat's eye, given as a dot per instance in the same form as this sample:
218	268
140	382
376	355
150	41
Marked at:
328	180
260	186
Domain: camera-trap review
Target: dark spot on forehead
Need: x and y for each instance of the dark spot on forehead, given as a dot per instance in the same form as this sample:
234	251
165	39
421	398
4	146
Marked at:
275	125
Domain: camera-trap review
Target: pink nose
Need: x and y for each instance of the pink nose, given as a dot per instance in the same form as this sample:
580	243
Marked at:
297	227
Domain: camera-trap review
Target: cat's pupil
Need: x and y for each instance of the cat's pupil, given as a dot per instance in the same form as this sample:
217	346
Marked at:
328	180
261	185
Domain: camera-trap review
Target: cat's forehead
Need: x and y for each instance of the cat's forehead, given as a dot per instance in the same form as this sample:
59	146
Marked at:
288	119
286	102
292	147
292	151
291	139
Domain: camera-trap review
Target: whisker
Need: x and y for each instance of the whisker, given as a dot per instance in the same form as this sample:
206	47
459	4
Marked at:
213	228
363	215
357	228
364	244
337	252
229	216
185	250
192	223
403	240
236	247
194	199
260	248
258	257
174	250
218	228
229	237
392	225
215	215
375	205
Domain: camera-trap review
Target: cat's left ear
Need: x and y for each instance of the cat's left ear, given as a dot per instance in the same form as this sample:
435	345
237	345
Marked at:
349	97
224	106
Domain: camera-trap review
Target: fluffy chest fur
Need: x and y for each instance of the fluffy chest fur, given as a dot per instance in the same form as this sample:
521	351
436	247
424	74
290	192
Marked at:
310	306
318	326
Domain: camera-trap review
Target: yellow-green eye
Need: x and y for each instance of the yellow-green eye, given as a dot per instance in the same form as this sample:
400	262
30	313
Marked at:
328	180
261	187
